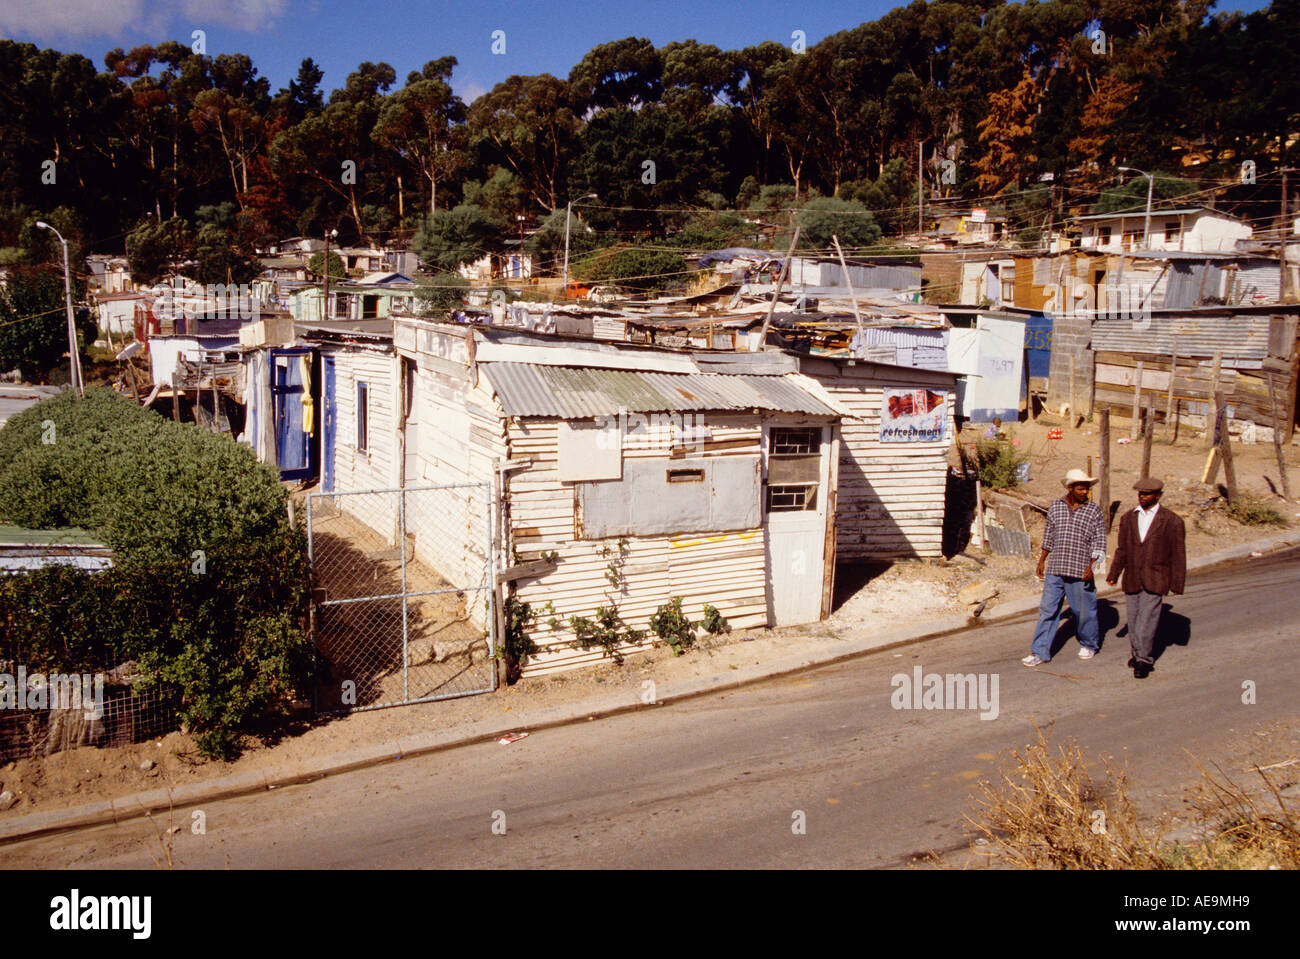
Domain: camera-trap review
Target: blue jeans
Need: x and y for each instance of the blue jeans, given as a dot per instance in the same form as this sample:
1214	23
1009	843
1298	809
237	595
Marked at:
1082	595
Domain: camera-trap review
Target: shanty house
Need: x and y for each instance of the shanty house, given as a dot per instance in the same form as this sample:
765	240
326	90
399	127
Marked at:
627	476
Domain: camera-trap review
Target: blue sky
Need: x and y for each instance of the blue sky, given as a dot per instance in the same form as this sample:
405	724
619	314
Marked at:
540	35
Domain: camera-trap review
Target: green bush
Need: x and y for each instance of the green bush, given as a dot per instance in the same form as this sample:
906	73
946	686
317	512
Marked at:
209	585
714	622
998	461
673	627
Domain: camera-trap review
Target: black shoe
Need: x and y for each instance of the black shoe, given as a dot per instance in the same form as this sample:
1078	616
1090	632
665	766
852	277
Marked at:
1132	663
1141	670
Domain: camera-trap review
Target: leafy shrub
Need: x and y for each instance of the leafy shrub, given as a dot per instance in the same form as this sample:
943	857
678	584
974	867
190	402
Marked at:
998	462
209	584
714	622
672	626
518	645
607	630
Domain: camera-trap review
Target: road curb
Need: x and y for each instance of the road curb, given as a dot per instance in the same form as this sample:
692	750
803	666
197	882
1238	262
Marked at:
37	825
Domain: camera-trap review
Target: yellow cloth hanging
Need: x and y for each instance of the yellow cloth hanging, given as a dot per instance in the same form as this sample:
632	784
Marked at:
308	404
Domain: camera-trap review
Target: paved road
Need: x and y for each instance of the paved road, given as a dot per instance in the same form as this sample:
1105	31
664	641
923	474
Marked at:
718	781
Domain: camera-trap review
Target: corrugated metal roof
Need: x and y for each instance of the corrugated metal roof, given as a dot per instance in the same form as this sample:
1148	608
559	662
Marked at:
1243	338
527	389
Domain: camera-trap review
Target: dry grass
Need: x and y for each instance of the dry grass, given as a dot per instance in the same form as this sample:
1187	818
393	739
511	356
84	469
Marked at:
1049	812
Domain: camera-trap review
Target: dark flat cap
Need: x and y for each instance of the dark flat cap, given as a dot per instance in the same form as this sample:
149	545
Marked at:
1149	484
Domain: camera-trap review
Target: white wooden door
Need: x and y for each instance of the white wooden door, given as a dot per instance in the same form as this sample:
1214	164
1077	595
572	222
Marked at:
795	494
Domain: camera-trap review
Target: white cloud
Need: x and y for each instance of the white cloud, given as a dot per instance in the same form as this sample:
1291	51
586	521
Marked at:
45	21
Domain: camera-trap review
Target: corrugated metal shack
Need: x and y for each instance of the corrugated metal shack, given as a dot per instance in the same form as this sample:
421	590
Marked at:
1252	342
631	475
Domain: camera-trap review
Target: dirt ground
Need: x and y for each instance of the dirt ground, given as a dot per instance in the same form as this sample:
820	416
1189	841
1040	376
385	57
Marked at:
869	597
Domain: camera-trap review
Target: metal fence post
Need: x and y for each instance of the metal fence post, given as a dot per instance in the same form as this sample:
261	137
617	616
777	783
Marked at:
406	653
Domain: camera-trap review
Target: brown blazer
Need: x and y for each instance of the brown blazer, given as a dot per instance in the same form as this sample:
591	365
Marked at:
1158	565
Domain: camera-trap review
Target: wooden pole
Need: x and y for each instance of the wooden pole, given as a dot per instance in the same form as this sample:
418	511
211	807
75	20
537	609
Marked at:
848	282
1277	441
1225	447
1281	259
1137	402
979	511
1213	416
1147	432
780	284
1169	403
1103	465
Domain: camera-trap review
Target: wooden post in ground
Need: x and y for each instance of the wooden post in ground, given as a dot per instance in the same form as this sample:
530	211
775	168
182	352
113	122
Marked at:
1213	417
1225	447
1103	466
979	512
1277	440
1169	403
1073	408
1148	431
1137	401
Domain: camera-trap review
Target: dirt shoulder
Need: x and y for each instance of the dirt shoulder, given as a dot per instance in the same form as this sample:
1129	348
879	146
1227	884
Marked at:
871	599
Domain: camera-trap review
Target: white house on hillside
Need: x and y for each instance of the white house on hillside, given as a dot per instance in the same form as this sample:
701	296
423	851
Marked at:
1191	229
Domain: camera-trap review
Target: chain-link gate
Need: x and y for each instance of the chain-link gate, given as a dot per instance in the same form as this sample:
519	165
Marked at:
403	606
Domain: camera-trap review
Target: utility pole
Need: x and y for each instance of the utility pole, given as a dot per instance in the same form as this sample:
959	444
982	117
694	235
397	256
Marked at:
920	187
568	214
1151	184
1051	216
1281	280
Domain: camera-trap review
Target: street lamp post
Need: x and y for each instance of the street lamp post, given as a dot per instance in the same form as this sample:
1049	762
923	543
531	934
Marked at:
1151	183
568	213
74	358
325	300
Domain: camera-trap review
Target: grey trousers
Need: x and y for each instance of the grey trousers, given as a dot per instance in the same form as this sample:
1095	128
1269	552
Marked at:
1143	617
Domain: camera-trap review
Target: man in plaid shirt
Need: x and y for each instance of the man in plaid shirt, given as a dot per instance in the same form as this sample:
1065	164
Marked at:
1075	539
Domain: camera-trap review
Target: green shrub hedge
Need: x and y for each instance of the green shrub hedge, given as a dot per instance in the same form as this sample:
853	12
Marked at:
209	585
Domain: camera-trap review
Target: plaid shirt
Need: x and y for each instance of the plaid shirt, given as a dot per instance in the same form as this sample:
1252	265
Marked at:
1073	538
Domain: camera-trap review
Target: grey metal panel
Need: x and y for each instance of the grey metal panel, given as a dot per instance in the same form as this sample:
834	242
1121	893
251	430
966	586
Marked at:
645	503
1243	337
526	389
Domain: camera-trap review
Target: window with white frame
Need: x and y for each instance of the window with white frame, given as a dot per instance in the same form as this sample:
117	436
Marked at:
363	417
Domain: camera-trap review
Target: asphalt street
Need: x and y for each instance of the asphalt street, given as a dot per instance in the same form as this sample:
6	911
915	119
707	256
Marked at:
814	770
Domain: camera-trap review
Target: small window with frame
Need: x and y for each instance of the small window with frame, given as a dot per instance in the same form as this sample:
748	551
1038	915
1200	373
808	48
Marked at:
363	417
793	469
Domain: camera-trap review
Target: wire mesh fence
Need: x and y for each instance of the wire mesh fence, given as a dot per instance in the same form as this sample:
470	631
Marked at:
122	717
402	609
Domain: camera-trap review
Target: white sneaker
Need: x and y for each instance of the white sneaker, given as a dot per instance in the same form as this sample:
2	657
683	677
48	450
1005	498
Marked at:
1086	653
1032	660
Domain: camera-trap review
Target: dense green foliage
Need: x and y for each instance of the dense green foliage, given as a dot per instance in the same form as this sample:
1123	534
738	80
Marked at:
34	324
674	627
208	586
998	95
633	269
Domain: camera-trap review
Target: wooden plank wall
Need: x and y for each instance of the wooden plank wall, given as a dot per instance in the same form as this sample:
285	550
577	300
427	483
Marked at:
376	468
891	495
1246	389
459	436
724	569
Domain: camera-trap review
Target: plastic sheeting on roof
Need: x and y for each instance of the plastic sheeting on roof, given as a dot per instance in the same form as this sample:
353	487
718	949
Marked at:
526	389
736	252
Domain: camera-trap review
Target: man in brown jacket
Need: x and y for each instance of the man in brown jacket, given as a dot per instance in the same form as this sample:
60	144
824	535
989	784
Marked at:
1152	557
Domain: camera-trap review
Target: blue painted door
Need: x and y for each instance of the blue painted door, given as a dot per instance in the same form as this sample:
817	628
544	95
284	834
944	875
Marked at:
292	407
329	413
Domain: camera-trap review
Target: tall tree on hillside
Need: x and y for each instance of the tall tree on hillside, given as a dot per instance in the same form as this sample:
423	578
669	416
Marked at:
422	122
527	124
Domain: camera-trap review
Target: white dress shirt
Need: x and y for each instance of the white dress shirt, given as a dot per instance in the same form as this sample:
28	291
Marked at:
1145	516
